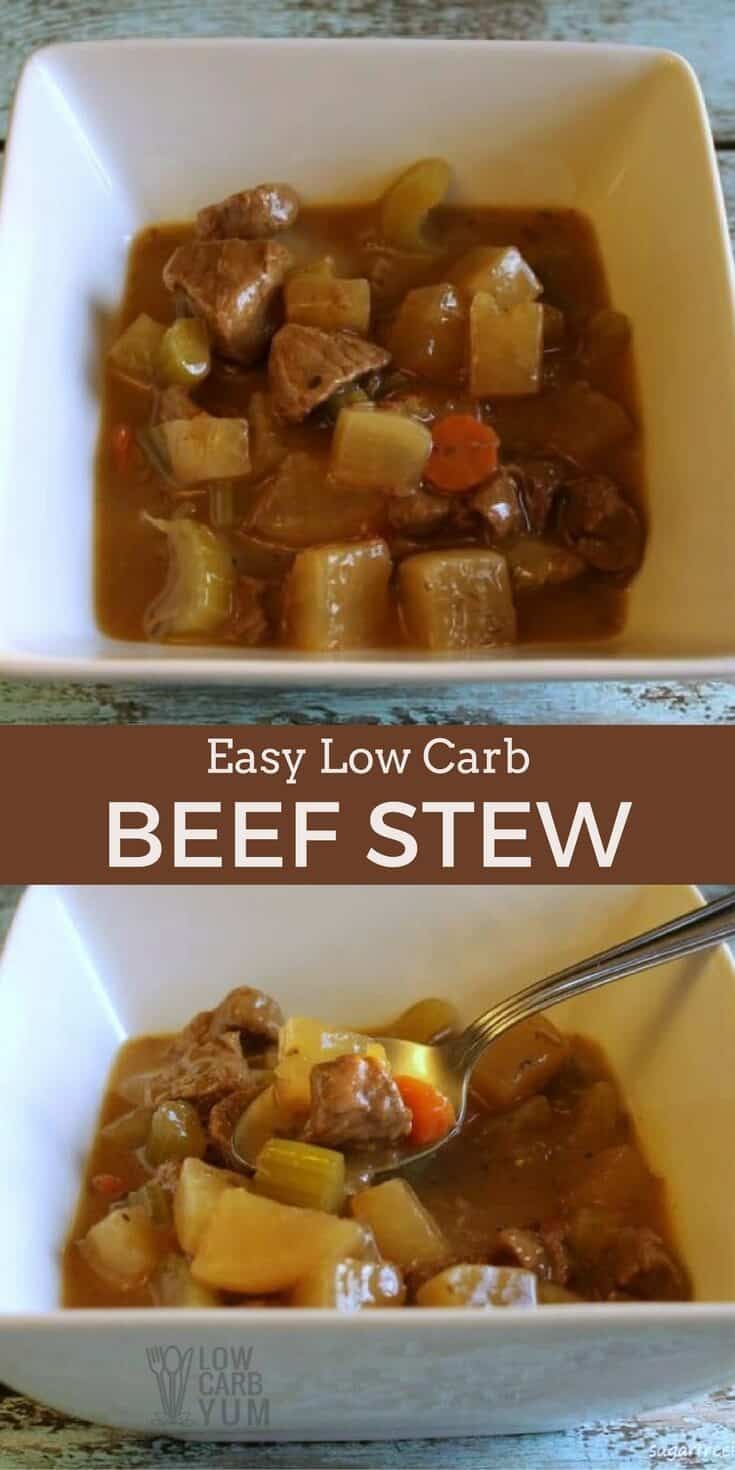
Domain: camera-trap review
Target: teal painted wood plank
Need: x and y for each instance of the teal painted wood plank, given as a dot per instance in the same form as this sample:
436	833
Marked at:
539	704
699	28
33	1438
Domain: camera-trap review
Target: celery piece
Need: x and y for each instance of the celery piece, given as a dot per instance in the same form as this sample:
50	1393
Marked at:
197	595
130	1130
404	207
184	357
176	1132
301	1174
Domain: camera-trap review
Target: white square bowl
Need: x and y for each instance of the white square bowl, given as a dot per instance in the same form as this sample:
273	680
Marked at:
85	967
108	137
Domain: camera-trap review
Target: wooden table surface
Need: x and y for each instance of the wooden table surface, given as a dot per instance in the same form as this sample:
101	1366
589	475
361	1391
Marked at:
704	30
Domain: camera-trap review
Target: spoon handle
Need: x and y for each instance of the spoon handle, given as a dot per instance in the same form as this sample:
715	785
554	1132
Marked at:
681	936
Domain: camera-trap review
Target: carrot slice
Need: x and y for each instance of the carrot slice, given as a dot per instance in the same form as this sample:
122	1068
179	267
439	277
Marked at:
110	1185
433	1114
464	453
121	444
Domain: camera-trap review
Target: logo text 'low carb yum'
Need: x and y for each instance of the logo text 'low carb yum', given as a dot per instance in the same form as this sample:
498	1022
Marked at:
220	1386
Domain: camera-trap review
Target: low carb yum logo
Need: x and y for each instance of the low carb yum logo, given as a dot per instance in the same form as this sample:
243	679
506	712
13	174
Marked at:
171	1369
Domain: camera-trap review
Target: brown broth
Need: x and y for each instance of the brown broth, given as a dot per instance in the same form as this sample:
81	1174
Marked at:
131	556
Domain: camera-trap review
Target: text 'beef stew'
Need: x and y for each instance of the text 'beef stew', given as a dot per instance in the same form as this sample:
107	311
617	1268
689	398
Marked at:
403	424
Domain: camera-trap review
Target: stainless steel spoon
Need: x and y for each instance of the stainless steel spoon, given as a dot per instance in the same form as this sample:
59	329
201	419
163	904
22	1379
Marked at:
448	1065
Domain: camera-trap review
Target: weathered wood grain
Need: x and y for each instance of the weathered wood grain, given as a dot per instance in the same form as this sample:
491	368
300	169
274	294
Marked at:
689	1435
699	28
708	703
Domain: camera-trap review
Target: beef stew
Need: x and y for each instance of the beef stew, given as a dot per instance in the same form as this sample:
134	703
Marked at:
543	1196
368	426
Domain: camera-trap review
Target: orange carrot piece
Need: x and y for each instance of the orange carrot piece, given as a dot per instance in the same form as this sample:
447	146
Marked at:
109	1185
464	453
433	1114
121	444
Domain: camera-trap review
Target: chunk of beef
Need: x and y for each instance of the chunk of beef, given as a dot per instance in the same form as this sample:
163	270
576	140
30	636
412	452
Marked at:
573	420
605	337
306	366
249	1011
227	1113
553	1237
612	1259
600	525
499	505
418	512
194	1034
644	1268
202	1073
534	1250
354	1100
525	1248
233	285
251	214
536	563
554	327
539	481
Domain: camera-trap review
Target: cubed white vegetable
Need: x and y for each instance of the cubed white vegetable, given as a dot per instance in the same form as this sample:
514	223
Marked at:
404	1230
379	450
123	1248
506	348
458	599
253	1244
197	1191
499	270
479	1286
331	304
336	596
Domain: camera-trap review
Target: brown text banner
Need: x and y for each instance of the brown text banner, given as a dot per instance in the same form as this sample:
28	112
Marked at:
351	804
